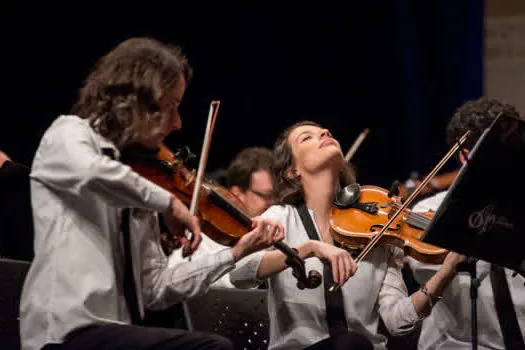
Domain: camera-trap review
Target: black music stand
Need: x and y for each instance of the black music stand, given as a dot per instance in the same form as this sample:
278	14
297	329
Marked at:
482	214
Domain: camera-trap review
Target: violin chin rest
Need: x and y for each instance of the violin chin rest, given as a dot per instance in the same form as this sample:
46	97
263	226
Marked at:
347	196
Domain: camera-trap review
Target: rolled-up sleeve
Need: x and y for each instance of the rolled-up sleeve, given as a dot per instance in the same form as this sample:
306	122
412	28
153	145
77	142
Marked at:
68	160
244	275
395	306
165	285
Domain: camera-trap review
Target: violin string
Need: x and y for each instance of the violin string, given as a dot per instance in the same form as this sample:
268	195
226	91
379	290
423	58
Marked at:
422	222
413	195
416	217
378	236
230	203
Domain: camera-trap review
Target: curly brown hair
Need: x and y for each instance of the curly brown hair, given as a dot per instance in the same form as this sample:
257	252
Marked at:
476	116
290	190
121	94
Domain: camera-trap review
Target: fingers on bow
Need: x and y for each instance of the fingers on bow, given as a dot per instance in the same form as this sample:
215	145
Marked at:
343	268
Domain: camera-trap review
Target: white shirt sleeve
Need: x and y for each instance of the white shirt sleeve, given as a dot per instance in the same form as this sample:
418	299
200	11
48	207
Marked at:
395	306
244	275
430	203
207	247
69	160
165	284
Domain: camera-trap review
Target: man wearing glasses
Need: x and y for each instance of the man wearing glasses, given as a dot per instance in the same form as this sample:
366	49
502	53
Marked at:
249	177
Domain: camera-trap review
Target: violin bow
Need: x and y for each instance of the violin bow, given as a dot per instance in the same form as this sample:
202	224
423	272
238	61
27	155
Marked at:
212	117
412	196
358	141
313	279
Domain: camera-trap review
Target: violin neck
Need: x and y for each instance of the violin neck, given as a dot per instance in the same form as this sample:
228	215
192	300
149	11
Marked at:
230	208
418	221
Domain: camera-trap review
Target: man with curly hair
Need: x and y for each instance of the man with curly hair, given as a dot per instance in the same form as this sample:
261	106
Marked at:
249	178
448	327
98	262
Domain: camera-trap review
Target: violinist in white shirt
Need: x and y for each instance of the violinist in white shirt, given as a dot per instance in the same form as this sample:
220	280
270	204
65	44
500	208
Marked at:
98	262
449	325
309	170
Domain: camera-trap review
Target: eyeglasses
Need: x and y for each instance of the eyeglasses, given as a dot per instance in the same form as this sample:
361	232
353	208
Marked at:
266	196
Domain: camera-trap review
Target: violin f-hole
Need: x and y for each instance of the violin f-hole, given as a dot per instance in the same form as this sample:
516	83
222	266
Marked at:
379	227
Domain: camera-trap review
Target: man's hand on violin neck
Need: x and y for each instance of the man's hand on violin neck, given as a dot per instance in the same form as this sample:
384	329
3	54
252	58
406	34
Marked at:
178	218
265	233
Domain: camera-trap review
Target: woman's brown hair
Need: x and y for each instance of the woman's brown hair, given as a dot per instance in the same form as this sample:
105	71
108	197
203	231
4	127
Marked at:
288	190
120	96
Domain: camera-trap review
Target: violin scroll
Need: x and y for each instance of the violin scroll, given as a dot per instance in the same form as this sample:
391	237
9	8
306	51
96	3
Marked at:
293	260
185	155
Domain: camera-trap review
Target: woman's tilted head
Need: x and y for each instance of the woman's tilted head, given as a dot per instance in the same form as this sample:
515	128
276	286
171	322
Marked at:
306	148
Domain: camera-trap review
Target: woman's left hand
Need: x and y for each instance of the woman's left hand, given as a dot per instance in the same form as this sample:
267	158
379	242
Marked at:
452	260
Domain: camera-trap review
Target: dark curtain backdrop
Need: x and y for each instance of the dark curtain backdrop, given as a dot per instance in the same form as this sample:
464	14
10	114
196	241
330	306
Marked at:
399	68
439	47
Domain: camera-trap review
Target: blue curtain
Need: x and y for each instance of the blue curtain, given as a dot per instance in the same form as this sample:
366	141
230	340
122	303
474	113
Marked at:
439	49
400	68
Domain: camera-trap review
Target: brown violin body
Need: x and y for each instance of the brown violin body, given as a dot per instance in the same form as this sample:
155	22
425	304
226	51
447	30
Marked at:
355	226
221	213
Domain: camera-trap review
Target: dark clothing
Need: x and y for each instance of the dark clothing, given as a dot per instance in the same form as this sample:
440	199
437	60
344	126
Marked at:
130	337
16	220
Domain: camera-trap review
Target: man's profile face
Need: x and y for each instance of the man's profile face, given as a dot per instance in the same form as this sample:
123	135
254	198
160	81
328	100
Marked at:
170	119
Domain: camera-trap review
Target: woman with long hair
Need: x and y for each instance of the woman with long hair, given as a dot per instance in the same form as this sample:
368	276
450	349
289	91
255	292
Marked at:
309	170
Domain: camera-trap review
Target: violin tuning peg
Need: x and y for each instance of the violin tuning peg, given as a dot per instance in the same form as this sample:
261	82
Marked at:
191	155
185	154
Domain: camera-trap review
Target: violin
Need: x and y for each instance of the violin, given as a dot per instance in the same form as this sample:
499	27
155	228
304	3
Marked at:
438	183
355	223
222	214
364	218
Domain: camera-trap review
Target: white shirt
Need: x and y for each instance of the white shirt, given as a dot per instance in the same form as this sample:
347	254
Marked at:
76	276
297	317
207	247
449	325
